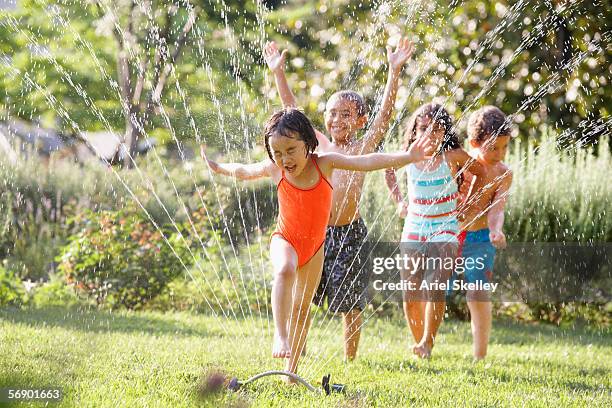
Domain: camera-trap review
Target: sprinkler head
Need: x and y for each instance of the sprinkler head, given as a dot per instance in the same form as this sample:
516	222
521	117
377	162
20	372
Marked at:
329	388
325	384
234	384
339	388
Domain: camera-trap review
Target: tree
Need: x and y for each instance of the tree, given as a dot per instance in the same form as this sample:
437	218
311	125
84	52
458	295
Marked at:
134	26
62	69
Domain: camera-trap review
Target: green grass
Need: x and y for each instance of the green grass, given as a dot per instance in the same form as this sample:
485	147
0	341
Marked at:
151	359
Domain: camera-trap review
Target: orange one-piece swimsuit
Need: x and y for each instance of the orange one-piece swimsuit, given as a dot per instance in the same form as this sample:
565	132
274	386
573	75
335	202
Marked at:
303	215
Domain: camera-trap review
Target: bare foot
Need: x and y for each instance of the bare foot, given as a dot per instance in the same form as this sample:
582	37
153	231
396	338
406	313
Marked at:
349	359
422	350
280	348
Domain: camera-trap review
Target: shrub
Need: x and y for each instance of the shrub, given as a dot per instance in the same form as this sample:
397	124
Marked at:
11	288
238	285
121	259
54	292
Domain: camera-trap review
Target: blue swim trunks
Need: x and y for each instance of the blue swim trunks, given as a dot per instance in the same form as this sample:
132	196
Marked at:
478	257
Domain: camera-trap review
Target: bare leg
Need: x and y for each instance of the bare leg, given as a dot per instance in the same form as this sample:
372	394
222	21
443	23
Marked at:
434	310
352	332
481	314
284	266
434	313
308	324
414	311
413	299
308	277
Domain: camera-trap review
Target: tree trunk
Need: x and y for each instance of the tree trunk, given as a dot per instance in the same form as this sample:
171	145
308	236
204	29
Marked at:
130	142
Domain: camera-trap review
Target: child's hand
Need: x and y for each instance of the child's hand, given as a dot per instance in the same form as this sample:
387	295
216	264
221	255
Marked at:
214	166
498	239
420	150
402	209
274	59
402	53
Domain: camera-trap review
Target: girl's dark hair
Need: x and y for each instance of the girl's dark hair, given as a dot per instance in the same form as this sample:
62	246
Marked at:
437	114
290	123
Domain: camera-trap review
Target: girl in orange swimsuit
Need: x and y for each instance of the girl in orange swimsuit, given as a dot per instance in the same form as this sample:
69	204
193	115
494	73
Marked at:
304	197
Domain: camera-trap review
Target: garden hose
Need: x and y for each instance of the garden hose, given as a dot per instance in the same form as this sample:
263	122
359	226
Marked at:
326	388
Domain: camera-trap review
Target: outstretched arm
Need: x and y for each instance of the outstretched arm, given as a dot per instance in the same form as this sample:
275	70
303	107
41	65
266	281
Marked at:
238	170
377	161
276	63
495	216
396	60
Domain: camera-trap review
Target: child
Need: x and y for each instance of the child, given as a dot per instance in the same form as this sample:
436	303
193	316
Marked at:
305	199
482	214
345	281
431	217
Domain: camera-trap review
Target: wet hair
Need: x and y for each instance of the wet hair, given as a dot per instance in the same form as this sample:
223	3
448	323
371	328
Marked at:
360	103
437	114
290	123
488	121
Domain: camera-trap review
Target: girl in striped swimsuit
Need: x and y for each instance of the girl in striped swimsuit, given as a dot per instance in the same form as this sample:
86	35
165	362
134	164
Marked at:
431	227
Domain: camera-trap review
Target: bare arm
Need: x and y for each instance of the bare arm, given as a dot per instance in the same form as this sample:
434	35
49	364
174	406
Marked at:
391	181
495	216
239	170
396	60
276	63
377	161
396	194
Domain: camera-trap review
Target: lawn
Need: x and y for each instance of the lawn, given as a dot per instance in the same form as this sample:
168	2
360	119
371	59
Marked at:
157	360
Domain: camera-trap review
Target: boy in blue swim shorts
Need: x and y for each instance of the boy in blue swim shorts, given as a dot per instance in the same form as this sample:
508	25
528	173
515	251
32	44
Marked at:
477	247
481	216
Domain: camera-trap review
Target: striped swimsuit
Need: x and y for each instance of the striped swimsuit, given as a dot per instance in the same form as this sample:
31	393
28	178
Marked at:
432	209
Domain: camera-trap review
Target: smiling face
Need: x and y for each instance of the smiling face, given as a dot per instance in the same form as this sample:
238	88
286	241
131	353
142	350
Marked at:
342	119
433	131
493	149
289	153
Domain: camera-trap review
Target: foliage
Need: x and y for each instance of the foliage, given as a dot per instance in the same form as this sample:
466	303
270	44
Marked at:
37	199
77	66
547	62
225	283
11	288
560	196
54	293
121	259
593	314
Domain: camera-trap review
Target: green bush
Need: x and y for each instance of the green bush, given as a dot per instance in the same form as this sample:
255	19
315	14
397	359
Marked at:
38	199
224	283
54	292
560	196
12	292
120	259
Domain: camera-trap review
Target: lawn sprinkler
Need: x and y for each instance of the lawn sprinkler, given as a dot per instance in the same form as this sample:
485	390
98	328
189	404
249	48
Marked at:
326	388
